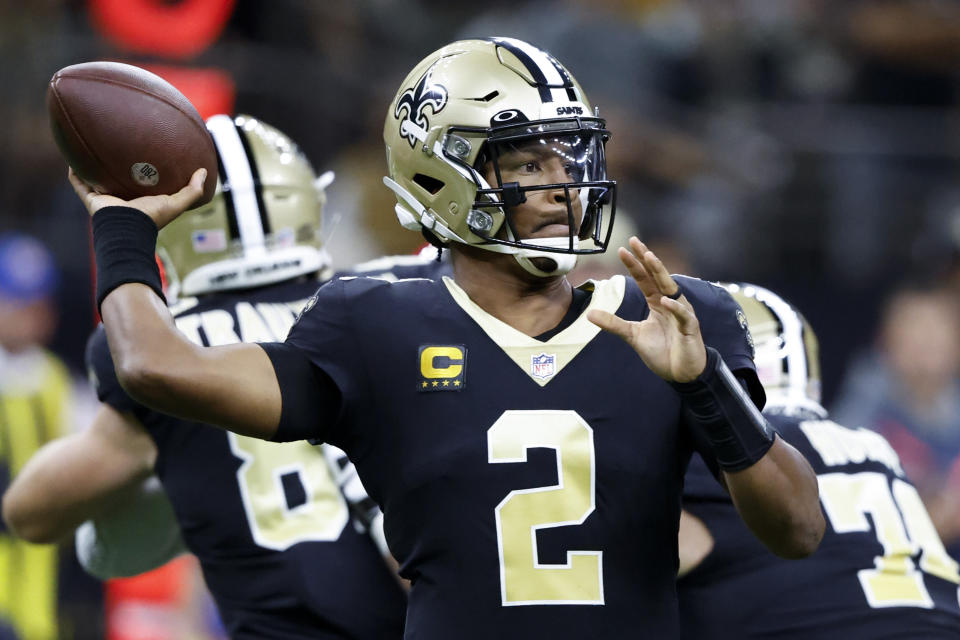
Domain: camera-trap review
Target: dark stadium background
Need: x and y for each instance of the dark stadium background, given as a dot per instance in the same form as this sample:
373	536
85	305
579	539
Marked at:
809	146
806	145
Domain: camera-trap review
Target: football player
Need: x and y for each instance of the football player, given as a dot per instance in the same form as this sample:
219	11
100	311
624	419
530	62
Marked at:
528	463
881	570
269	522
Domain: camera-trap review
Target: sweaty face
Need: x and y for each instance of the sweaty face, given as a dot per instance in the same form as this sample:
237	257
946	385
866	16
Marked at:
544	170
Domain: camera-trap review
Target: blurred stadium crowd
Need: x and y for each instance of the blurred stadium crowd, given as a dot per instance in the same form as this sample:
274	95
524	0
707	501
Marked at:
812	147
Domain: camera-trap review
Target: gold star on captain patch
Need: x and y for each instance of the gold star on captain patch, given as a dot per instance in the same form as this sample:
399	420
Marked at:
442	368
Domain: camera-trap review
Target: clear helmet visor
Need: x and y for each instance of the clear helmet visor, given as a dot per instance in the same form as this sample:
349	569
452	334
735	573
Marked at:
549	183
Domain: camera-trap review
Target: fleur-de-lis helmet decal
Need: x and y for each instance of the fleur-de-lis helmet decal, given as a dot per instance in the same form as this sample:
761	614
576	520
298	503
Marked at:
413	101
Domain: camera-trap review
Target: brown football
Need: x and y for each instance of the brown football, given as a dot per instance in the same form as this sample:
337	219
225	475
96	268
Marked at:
128	132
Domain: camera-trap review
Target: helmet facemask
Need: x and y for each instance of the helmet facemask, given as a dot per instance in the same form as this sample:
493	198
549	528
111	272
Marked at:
560	166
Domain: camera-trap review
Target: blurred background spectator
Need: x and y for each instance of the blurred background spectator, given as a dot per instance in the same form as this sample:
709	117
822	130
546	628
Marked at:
34	393
907	387
35	407
812	147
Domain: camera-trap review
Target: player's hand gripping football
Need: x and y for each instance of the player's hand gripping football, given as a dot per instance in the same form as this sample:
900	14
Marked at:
161	209
668	340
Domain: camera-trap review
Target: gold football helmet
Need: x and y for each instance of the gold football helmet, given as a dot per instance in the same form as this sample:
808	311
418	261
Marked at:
457	116
787	352
264	222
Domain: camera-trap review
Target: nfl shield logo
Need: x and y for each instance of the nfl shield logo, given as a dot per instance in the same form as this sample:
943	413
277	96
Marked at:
543	366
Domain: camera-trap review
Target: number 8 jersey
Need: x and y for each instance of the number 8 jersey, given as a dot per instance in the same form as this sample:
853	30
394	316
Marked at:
531	488
267	521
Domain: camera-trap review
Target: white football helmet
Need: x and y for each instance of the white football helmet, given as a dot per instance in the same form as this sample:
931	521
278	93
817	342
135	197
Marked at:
459	112
786	348
262	226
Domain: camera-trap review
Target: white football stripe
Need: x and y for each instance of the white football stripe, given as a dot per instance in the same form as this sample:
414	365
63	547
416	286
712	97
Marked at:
242	189
549	70
793	347
540	59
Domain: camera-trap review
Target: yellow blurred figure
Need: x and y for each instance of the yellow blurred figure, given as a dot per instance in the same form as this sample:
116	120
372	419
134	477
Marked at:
34	395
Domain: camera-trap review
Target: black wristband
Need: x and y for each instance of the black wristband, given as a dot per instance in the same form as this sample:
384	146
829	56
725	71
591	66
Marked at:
125	244
717	406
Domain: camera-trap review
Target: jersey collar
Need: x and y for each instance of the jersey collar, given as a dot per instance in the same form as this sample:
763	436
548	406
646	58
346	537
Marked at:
542	361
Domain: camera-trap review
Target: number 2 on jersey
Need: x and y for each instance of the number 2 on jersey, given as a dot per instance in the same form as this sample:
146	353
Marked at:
524	580
273	523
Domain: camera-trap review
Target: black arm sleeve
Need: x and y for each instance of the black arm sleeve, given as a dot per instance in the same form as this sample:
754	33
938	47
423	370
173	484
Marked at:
716	405
697	440
311	399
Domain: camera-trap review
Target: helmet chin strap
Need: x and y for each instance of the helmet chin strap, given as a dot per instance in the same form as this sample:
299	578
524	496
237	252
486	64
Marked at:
564	262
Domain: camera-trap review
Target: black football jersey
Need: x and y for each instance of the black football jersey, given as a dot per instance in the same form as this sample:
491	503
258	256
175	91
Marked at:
531	489
881	570
267	522
424	264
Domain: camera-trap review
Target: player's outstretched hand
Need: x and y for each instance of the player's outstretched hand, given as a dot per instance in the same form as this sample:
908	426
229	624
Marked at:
162	209
669	339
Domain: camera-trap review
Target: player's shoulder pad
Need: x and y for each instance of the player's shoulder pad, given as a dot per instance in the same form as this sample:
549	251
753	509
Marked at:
723	326
707	298
707	294
715	306
343	295
358	286
422	265
360	293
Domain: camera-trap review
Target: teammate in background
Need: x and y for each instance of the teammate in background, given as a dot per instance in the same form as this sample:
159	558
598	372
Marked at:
34	403
529	465
906	387
881	570
269	522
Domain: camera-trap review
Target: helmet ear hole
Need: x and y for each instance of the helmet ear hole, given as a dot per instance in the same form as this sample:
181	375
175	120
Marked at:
428	184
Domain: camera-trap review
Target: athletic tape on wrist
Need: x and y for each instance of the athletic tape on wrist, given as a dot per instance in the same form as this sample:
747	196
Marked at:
716	405
124	244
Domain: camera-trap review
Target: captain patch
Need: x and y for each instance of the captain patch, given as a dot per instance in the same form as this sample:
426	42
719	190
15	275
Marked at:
442	367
